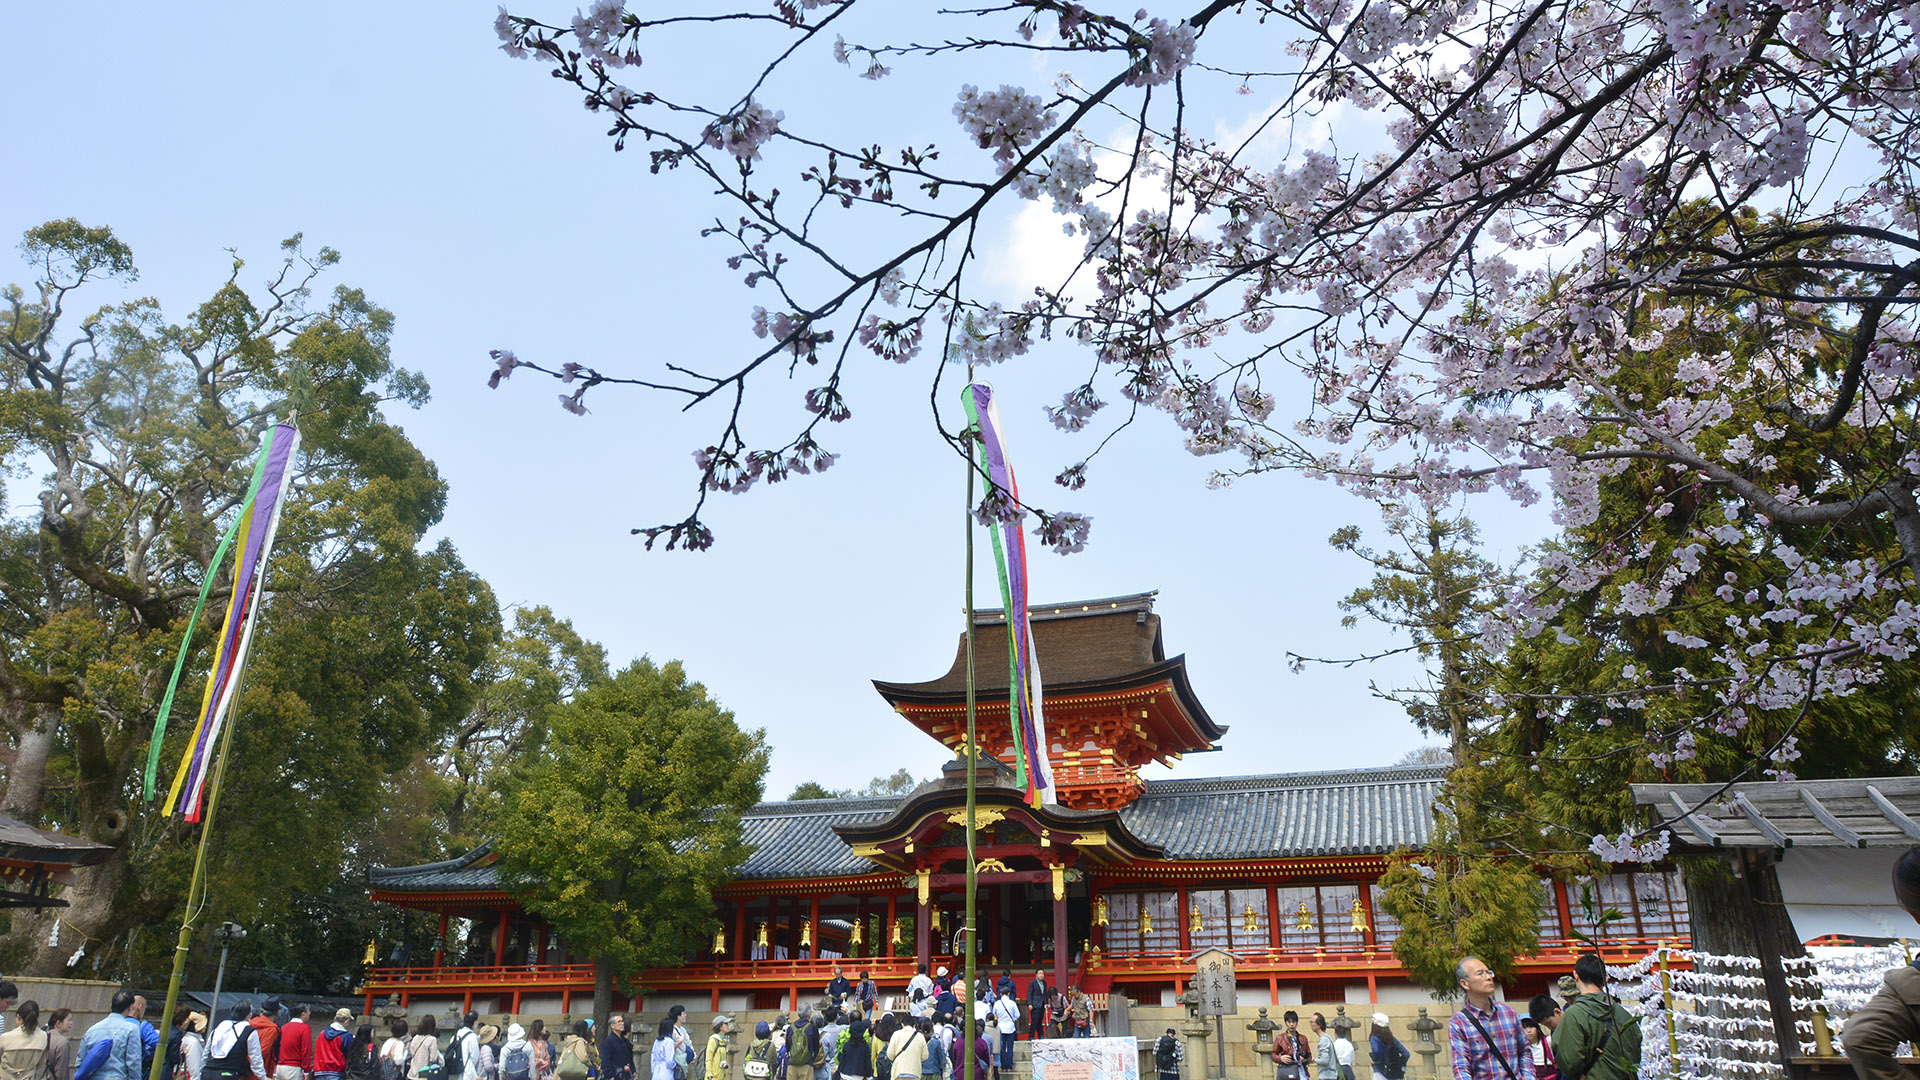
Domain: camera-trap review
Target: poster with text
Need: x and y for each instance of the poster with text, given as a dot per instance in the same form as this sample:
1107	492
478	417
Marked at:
1086	1059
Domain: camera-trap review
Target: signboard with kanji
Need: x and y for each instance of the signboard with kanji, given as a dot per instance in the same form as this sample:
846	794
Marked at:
1086	1059
1214	984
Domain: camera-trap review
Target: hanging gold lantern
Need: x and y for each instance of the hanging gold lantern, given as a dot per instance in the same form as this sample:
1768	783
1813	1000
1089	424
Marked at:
1303	919
1250	920
896	934
1359	917
372	954
806	933
1196	922
859	934
1100	911
719	942
760	939
1146	921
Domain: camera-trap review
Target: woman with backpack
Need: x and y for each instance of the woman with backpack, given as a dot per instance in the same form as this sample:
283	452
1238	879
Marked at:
1389	1054
424	1060
856	1053
516	1055
23	1049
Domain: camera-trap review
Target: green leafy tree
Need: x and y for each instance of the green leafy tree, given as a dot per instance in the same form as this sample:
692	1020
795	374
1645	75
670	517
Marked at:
141	433
542	662
897	783
620	831
813	789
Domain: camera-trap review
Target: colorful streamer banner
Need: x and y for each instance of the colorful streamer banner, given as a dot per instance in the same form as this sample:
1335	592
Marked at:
255	528
1032	769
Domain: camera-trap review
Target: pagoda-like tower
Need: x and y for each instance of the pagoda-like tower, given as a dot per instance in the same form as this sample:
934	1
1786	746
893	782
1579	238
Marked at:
1113	699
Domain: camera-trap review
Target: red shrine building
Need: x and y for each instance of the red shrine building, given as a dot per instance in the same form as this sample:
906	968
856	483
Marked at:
1112	887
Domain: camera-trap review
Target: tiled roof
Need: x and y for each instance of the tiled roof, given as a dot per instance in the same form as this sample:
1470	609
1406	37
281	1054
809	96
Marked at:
1355	812
21	842
1362	811
796	839
1077	641
472	872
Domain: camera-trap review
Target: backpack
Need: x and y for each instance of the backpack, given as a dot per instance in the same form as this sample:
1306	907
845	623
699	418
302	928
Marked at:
95	1057
516	1063
882	1066
759	1063
1166	1055
572	1066
453	1062
802	1047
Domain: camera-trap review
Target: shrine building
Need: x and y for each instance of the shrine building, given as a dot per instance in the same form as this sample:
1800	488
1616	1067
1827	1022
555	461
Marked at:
1113	888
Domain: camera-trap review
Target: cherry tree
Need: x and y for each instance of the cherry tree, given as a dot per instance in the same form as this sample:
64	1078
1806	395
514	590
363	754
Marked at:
1482	216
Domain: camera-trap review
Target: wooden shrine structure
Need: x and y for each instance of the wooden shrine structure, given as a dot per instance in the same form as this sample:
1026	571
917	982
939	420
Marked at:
1117	885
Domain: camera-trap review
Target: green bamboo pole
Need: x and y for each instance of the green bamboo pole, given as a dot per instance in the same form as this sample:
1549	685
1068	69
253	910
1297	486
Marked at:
196	890
973	765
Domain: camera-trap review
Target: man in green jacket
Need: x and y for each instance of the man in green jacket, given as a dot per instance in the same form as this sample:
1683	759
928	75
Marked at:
1596	1037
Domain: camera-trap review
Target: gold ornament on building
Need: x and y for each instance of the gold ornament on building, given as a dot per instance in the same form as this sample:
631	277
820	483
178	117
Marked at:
859	934
1196	922
1146	921
371	954
1100	911
1250	920
761	938
896	934
719	942
806	933
1359	917
1303	919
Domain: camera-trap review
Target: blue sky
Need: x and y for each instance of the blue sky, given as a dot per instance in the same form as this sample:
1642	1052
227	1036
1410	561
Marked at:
472	196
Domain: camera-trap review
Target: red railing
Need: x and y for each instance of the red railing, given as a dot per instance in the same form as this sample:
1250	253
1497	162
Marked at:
893	972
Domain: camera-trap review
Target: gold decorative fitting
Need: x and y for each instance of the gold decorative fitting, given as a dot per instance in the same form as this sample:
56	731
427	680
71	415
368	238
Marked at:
1046	838
761	938
1359	917
1196	922
982	816
992	866
719	942
1059	882
1100	911
1146	922
925	880
859	934
806	933
1303	919
1250	920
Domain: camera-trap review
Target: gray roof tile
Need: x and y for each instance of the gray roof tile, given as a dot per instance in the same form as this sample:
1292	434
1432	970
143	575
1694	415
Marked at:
1363	811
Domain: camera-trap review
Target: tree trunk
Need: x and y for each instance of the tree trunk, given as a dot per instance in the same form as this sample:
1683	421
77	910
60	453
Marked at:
1735	908
602	994
27	776
90	919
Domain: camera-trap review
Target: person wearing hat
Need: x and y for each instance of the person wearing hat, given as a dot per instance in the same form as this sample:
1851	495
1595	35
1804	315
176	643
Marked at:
1166	1056
1388	1053
718	1044
488	1047
762	1057
330	1050
268	1029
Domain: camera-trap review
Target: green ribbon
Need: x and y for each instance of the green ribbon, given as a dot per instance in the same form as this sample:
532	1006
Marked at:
199	605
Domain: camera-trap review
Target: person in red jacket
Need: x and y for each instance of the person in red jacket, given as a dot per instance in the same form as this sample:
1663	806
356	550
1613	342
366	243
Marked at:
330	1049
295	1053
263	1023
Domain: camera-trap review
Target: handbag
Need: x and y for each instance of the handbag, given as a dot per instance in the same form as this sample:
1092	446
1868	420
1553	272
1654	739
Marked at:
572	1066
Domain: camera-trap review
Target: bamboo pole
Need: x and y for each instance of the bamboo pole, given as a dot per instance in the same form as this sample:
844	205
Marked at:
196	889
970	1022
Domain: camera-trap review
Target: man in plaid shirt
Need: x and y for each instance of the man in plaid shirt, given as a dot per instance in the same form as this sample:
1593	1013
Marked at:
1484	1035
